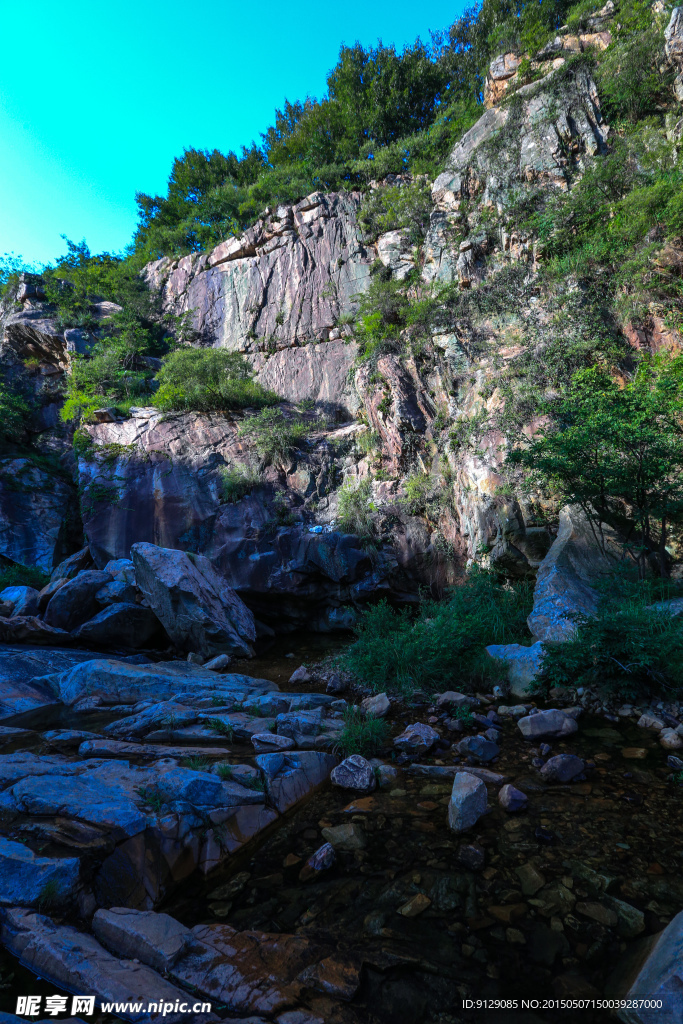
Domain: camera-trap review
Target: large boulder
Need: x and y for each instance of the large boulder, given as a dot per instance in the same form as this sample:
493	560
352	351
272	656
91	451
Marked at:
74	603
120	625
24	600
659	979
523	664
28	674
198	609
551	722
25	877
564	584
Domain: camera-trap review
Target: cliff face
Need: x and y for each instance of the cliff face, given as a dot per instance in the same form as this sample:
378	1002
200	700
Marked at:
285	294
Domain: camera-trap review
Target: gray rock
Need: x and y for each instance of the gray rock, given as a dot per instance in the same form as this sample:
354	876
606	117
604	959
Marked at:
673	36
218	664
377	706
87	798
562	768
453	699
551	722
74	603
67	739
70	567
335	684
24	600
120	625
322	860
269	742
417	738
478	747
660	977
468	802
116	591
354	773
35	508
196	606
121	570
564	582
25	876
75	961
523	664
156	939
300	675
29	676
347	837
511	799
292	776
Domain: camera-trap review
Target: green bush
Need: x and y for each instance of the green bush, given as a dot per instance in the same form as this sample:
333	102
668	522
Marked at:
443	644
17	407
238	481
355	510
275	436
629	650
23	576
362	734
207	380
390	206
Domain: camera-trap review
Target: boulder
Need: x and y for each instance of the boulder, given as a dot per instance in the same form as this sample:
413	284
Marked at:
75	961
512	799
120	625
523	664
347	837
24	600
552	722
417	738
48	592
269	742
452	699
659	977
156	939
354	773
322	860
564	580
478	747
115	592
71	566
377	706
197	608
28	629
467	803
74	603
562	768
292	776
25	876
28	676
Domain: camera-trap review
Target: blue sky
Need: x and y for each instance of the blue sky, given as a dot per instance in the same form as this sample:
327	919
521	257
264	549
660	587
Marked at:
96	99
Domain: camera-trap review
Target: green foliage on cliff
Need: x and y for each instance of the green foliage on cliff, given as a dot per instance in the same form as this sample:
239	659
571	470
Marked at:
208	380
443	644
617	450
355	510
275	436
16	407
23	576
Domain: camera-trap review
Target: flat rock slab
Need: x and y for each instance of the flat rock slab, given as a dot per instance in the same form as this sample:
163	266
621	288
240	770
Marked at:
22	686
292	776
118	748
435	771
25	875
76	962
117	682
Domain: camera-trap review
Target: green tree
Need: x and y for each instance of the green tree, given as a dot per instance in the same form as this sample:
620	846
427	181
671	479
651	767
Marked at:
616	449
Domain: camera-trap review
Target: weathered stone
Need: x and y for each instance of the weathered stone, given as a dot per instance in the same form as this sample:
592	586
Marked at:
417	738
156	939
417	905
27	676
25	877
196	606
35	509
322	860
453	699
291	776
348	837
24	600
478	747
333	977
73	960
70	567
377	706
597	912
467	803
651	722
551	722
512	799
564	580
29	629
355	773
87	798
670	739
562	768
118	591
530	879
268	742
523	664
120	625
74	603
218	664
673	36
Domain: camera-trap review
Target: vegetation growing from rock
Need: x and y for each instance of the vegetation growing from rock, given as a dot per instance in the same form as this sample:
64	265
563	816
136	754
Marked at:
442	644
630	650
275	435
23	576
208	380
355	510
362	734
238	481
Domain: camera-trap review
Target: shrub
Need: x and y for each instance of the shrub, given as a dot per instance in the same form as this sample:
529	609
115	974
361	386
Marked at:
205	380
362	734
630	650
23	576
16	408
443	644
275	436
355	509
237	481
390	206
